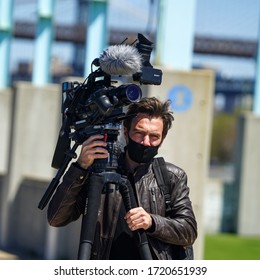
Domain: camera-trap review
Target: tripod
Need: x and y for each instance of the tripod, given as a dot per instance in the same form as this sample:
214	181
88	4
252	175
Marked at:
98	182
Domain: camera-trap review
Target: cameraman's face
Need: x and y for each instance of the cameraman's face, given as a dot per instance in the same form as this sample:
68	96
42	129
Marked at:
146	130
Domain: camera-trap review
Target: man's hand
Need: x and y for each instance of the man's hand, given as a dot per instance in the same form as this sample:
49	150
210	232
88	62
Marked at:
138	218
93	148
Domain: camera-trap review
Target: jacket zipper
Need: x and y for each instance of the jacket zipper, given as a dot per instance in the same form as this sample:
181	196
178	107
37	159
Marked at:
152	190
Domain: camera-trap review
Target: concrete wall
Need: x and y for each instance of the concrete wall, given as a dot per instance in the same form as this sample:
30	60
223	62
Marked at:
27	168
213	204
5	127
6	98
248	175
35	120
188	142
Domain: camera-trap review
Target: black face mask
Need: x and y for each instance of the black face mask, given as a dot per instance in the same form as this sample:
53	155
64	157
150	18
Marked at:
140	153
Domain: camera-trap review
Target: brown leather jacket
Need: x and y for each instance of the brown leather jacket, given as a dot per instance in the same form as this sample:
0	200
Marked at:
180	228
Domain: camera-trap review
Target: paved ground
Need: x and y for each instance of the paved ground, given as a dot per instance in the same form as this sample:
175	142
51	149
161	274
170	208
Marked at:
8	256
12	255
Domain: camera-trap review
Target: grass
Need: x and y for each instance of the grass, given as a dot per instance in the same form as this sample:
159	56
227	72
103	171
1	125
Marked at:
231	247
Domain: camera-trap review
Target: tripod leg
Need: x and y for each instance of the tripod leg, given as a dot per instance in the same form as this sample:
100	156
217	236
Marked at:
140	237
96	184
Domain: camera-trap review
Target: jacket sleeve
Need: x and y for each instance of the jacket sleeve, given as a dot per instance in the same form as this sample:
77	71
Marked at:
68	201
181	227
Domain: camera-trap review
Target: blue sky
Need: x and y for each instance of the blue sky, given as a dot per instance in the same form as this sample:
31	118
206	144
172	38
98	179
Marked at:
228	18
235	19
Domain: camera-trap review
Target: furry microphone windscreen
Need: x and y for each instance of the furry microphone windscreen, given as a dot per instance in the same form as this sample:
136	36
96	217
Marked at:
120	60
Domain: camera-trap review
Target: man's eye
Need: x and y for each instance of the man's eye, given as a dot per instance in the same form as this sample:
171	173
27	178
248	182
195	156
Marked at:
154	137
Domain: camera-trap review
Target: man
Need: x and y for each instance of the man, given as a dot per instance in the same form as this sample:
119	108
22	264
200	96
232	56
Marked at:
144	134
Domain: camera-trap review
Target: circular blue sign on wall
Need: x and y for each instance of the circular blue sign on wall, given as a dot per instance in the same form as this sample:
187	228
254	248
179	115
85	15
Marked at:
181	98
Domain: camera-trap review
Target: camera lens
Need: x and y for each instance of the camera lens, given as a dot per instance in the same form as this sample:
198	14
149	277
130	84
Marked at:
133	93
124	94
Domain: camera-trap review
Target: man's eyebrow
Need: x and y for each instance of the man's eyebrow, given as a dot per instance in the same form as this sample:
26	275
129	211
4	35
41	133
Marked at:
155	133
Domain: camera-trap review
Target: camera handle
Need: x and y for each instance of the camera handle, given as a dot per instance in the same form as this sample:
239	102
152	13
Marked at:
97	182
55	181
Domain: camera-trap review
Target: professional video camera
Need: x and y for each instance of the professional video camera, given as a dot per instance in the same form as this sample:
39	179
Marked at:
96	106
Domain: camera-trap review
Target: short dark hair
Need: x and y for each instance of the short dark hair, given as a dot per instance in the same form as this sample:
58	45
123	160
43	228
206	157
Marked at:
152	107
